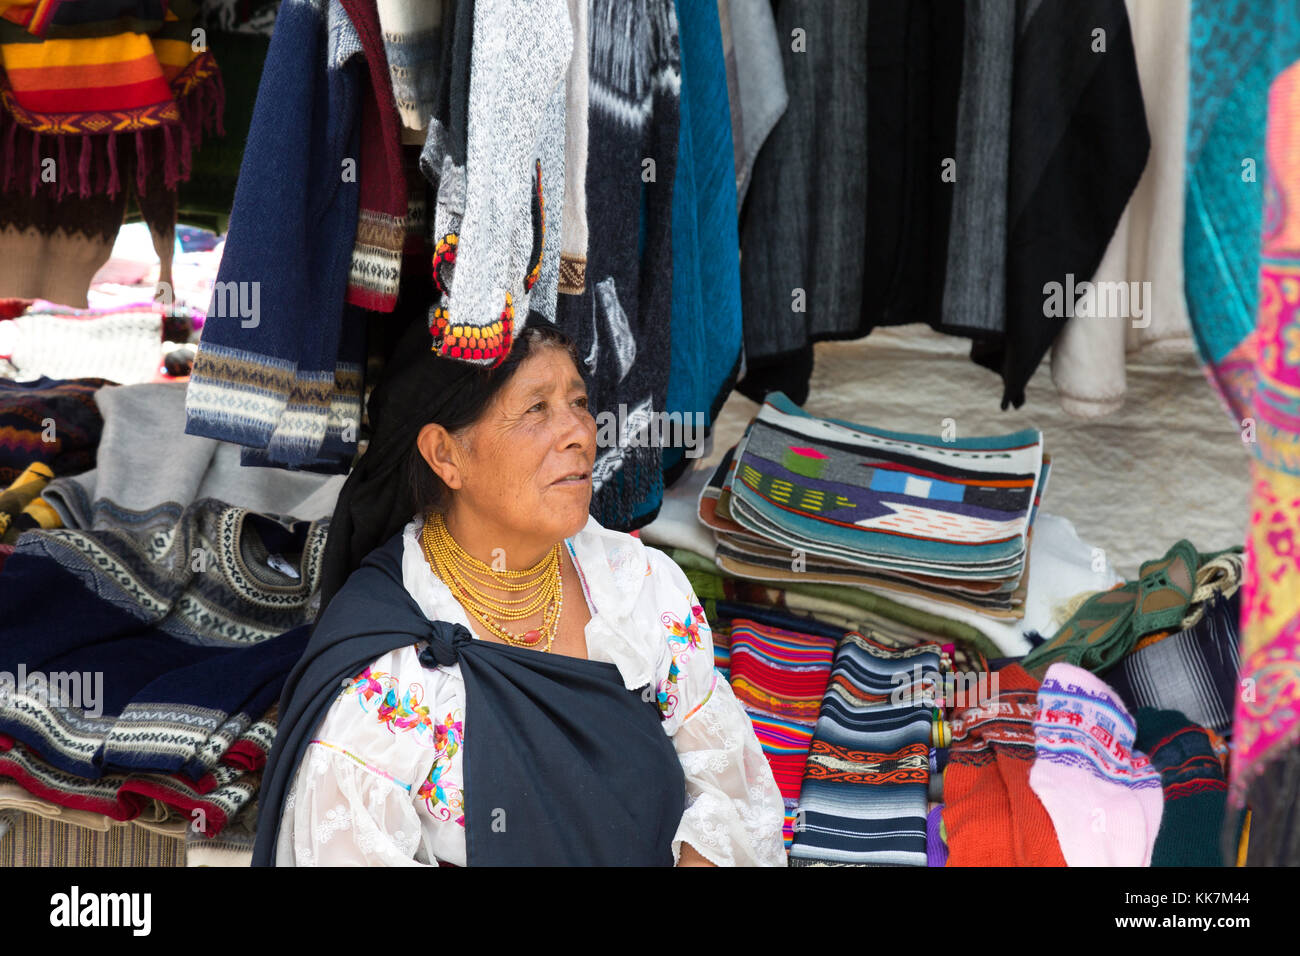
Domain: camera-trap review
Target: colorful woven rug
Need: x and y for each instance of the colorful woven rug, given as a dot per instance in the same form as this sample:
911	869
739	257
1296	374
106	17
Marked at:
863	799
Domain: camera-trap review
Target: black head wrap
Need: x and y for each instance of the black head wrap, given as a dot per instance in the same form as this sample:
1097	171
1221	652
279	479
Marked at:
415	386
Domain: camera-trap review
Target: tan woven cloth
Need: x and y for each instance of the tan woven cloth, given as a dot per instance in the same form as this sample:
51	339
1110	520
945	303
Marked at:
34	840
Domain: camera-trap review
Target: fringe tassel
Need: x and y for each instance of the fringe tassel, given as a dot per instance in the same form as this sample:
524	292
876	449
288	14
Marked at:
83	167
10	155
171	162
114	181
63	171
97	168
36	162
141	162
187	145
100	173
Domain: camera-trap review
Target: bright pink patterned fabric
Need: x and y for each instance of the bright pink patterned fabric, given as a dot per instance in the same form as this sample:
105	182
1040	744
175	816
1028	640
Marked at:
1267	721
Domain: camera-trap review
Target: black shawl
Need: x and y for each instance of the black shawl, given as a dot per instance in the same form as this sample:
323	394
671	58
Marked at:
563	765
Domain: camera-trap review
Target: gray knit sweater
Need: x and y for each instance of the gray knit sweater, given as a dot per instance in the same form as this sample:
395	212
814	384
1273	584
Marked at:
521	51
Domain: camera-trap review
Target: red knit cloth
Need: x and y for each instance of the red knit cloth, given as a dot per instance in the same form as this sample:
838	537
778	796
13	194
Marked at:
992	816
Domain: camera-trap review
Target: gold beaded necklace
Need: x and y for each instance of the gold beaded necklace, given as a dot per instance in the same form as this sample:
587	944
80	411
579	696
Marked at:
540	587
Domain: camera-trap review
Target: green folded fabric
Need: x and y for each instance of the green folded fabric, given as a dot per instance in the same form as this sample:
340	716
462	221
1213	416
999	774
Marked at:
707	579
1108	625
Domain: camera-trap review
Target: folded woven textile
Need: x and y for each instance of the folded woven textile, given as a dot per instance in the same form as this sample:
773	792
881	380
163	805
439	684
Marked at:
1193	671
847	609
26	411
780	676
779	672
863	799
122	344
774	522
861	494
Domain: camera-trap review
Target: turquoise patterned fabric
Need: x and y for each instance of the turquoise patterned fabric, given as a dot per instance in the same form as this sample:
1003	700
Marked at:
1235	48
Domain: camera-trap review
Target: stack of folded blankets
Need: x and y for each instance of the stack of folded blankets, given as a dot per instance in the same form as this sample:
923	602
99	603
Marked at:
806	499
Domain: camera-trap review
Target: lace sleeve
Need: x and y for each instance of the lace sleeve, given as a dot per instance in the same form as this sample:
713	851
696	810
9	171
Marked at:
341	812
734	810
354	798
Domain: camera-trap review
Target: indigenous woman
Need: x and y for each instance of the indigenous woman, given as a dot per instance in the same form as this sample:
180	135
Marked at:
497	679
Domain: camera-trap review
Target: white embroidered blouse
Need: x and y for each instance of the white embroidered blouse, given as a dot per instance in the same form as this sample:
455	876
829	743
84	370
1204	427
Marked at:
380	784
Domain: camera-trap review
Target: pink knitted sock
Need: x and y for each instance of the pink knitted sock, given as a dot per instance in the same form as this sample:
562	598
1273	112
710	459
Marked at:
1104	798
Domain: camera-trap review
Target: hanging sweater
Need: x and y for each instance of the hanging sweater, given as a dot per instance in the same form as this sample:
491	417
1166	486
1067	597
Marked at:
706	330
621	322
269	373
1079	145
999	153
498	220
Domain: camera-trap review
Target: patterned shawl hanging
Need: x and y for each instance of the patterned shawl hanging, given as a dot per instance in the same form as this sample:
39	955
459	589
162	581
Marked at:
1235	50
1267	724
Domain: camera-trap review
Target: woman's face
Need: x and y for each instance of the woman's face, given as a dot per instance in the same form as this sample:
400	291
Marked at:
515	466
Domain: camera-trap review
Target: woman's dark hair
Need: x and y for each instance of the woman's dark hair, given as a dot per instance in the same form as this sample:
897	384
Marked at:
471	401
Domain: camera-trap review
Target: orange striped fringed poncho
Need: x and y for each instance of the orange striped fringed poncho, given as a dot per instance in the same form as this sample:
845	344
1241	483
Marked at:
74	77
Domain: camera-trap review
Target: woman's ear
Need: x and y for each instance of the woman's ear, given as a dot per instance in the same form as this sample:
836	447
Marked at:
442	453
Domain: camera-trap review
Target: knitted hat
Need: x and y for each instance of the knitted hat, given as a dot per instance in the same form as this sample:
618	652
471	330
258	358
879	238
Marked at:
1103	794
991	814
1195	791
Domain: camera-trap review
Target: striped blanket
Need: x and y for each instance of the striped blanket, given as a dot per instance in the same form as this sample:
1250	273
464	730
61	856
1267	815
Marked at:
780	676
863	799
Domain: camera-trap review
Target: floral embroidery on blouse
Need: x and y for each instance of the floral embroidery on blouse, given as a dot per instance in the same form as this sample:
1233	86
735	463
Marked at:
381	694
443	798
684	638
